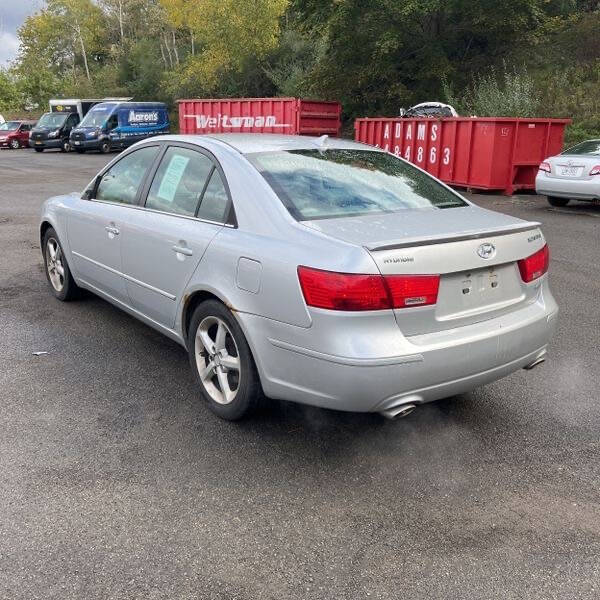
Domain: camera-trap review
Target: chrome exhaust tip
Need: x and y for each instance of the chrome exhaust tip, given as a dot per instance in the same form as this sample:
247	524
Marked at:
398	412
535	363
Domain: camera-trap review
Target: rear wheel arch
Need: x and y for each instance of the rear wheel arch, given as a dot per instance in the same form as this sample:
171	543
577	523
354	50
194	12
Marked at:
190	304
194	300
43	228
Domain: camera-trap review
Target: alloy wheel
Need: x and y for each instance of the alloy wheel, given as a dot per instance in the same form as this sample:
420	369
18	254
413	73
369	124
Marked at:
218	360
54	264
14	144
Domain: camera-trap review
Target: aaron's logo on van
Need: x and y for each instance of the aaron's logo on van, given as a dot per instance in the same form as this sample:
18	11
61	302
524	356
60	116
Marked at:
143	117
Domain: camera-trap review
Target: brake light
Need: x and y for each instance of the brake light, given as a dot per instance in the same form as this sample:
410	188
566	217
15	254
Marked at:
357	292
545	167
595	170
413	290
535	266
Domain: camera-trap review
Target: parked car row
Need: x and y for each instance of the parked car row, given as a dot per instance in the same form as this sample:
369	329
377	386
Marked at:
93	124
98	125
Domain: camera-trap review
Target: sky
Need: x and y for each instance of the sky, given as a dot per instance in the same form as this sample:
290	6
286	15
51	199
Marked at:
12	15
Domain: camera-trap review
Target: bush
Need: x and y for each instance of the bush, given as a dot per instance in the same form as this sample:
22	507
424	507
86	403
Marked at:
509	94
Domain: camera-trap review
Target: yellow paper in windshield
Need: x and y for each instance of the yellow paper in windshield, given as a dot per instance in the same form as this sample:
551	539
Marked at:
172	177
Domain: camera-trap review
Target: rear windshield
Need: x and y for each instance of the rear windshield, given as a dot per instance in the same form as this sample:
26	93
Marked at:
52	120
324	184
9	126
589	147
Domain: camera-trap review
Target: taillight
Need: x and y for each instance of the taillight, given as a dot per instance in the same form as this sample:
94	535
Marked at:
534	266
349	291
545	167
413	290
595	170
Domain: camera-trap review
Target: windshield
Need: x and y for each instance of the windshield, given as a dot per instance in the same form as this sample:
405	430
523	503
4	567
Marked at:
316	184
52	120
96	117
9	126
588	147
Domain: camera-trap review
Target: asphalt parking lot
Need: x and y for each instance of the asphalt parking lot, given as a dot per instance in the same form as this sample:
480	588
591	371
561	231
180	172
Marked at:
115	482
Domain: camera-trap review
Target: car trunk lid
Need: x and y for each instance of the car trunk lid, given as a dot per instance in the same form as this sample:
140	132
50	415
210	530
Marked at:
572	167
474	251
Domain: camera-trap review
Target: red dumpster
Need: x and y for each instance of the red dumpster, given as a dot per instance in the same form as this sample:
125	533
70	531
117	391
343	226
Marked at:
260	115
488	153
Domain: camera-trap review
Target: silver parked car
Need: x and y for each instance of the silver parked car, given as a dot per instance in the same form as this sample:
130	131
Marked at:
315	270
572	175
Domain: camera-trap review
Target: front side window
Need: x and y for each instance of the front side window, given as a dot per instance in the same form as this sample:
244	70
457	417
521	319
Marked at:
322	184
122	181
9	126
179	182
112	122
587	147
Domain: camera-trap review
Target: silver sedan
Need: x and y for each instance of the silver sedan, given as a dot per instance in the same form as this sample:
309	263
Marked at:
314	270
572	175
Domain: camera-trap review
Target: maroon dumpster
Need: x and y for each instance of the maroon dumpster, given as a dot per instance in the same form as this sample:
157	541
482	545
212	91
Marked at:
260	115
488	153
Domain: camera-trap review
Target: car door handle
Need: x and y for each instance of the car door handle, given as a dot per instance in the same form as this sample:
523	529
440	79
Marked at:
182	250
112	230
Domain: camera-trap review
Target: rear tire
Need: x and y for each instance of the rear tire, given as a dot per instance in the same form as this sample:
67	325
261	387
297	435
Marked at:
222	362
555	201
63	285
39	149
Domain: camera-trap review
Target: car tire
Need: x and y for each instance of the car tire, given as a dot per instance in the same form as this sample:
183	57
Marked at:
63	285
216	339
14	144
105	148
39	149
66	146
555	201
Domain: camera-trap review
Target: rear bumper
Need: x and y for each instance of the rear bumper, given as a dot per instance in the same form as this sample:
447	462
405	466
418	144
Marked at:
568	188
428	367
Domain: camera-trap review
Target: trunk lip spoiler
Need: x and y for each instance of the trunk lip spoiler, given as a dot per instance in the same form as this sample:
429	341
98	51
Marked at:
414	242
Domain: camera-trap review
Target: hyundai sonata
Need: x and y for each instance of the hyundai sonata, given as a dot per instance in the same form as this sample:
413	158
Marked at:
321	271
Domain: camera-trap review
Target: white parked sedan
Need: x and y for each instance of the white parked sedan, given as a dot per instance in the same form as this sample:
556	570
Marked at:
308	269
572	175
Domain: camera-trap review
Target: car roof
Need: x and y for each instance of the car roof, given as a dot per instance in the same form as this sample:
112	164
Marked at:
247	143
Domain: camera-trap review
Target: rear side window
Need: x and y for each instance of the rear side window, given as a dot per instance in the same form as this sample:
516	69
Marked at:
215	202
322	184
122	181
179	182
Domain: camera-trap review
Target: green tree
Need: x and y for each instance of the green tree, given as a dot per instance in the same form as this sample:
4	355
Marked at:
9	95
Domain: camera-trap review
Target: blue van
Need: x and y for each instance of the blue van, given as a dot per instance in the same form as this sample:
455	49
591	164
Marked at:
111	125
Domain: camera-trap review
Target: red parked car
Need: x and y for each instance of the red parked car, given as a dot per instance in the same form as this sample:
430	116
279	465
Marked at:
15	134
